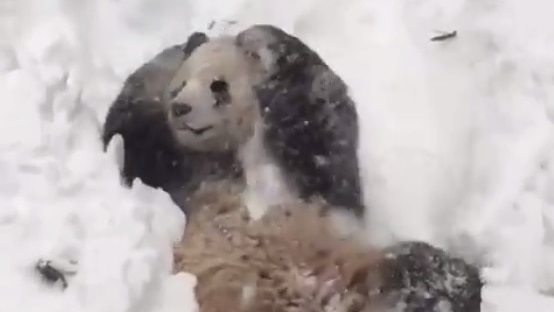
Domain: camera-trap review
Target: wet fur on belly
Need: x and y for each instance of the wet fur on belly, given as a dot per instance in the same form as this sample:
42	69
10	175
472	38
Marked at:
293	260
289	260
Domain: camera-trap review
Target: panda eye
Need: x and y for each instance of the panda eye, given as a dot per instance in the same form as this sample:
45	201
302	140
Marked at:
219	86
220	90
173	93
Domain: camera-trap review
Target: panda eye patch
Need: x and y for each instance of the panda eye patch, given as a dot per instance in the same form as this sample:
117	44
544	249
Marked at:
220	90
219	86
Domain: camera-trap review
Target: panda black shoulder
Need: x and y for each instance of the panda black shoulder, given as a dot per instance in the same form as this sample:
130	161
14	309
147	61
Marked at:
312	123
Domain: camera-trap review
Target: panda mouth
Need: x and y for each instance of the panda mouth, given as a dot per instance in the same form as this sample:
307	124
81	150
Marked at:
196	131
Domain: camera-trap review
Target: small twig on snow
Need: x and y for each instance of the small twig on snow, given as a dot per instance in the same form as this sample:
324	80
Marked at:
445	36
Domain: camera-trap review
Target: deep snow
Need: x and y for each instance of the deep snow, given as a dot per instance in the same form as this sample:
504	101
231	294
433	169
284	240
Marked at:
457	138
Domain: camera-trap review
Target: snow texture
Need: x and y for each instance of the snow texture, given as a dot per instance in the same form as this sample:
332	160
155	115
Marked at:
457	139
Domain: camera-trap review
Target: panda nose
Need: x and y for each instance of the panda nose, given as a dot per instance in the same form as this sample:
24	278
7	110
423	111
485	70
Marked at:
180	109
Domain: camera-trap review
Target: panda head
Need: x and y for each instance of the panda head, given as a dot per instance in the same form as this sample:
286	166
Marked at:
211	104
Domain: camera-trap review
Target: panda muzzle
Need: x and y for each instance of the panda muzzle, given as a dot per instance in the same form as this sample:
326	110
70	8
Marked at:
196	131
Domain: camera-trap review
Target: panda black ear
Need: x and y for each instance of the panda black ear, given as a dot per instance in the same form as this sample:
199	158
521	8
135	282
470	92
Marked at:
258	37
249	41
258	42
195	40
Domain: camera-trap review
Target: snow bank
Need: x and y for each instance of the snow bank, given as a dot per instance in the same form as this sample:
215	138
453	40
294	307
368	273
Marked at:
61	198
457	144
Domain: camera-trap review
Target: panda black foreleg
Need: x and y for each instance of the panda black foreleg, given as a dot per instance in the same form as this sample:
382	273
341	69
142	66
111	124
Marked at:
344	185
312	130
315	162
336	182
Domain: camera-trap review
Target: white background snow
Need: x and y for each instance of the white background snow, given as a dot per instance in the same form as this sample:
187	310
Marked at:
457	138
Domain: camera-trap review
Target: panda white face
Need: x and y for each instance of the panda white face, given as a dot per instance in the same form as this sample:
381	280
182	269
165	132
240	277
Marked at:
210	102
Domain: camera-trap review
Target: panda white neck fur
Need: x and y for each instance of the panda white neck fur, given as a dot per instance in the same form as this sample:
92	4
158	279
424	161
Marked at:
266	185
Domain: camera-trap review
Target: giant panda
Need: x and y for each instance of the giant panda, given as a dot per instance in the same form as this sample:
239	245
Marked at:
226	99
271	100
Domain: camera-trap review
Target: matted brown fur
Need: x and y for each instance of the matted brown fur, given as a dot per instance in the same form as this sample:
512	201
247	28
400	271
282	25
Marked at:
289	260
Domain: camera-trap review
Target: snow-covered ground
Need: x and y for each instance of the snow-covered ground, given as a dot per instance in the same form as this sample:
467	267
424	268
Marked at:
457	138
